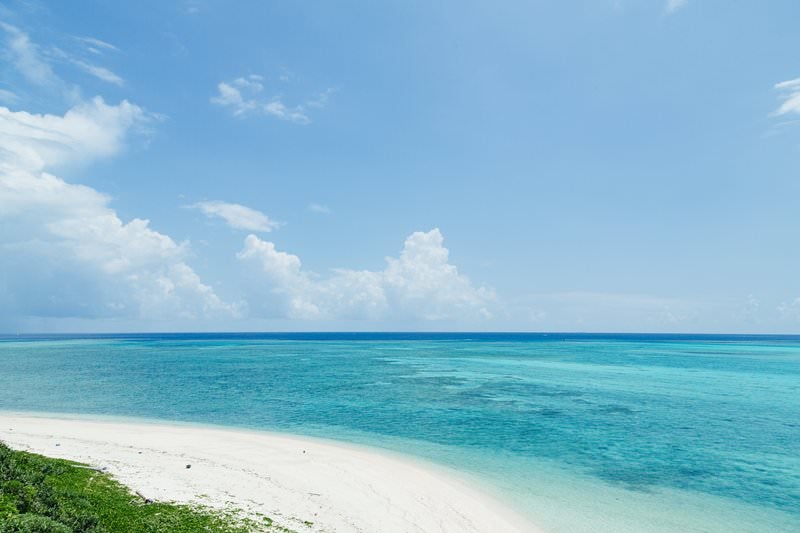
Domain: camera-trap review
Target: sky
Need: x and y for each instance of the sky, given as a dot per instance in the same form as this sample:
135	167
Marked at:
594	165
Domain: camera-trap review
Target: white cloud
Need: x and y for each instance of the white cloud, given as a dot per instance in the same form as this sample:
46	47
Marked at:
790	94
57	237
243	97
237	216
34	63
26	57
88	131
427	285
319	208
95	45
419	284
674	5
230	96
100	73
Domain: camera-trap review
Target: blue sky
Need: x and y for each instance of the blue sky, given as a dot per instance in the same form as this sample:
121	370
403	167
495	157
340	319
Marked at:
627	165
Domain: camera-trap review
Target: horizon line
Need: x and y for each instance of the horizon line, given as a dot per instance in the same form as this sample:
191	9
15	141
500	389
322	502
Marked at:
399	332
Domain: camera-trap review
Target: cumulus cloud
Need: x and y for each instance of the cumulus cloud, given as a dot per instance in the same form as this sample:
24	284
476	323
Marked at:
789	92
243	96
419	284
674	5
56	236
237	216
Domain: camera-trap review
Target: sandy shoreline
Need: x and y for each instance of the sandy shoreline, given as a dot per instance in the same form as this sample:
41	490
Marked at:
293	480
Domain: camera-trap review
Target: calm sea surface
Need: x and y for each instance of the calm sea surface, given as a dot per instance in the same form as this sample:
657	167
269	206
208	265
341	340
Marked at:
582	432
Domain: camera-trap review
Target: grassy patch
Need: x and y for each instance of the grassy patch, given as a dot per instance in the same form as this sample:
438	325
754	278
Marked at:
44	495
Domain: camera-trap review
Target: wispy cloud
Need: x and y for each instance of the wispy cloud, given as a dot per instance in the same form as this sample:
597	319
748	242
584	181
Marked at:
674	5
237	216
789	92
191	8
244	97
8	97
321	100
319	208
790	310
100	73
96	45
25	56
35	63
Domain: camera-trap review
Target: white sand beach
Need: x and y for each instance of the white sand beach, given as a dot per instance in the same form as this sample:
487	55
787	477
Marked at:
304	484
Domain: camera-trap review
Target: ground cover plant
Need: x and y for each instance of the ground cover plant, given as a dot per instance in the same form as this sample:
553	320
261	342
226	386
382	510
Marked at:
43	495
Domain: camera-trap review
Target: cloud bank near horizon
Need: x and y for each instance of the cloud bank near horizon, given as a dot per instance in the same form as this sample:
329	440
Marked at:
419	284
65	252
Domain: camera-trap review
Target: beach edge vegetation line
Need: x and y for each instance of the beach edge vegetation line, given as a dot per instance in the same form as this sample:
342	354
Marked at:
45	495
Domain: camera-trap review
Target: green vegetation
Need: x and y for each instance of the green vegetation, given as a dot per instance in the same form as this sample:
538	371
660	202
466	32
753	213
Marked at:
43	495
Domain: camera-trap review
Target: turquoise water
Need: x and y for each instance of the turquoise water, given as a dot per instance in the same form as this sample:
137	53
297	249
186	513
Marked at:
581	432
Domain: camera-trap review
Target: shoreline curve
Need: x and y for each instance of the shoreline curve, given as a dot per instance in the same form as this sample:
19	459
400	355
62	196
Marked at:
304	483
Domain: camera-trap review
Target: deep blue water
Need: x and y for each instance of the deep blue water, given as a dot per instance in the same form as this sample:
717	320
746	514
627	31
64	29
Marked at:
565	425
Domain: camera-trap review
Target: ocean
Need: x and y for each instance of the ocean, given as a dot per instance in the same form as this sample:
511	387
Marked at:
581	432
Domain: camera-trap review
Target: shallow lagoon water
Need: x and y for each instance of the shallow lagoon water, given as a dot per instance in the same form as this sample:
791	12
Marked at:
582	432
